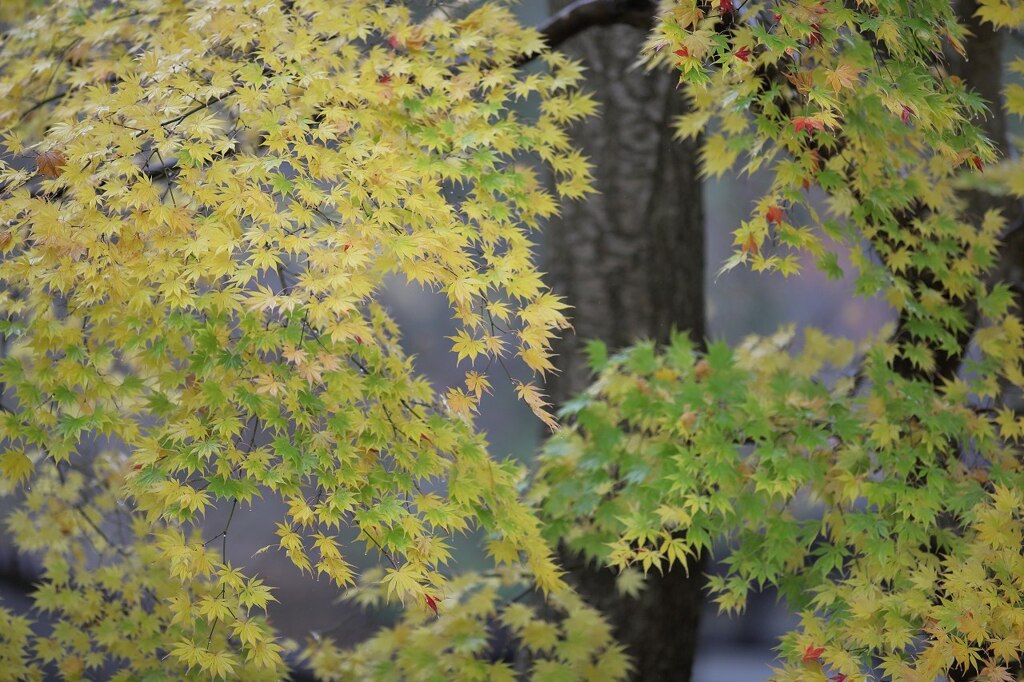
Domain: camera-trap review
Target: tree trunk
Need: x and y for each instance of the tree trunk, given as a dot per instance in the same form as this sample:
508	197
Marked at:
983	73
631	262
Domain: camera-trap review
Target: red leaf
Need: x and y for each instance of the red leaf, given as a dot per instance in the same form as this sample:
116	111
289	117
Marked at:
906	114
777	17
394	42
431	603
976	160
725	6
743	53
807	123
839	678
682	52
386	78
775	215
806	183
815	38
813	653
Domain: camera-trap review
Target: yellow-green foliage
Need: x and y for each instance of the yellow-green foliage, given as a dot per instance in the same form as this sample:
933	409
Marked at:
890	517
200	204
482	616
880	490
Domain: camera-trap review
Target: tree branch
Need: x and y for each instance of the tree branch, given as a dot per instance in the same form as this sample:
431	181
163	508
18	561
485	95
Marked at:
583	14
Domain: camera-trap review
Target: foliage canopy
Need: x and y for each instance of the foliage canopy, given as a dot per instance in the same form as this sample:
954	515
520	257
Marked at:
201	203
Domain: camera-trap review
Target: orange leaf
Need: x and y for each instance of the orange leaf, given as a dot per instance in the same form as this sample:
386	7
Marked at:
845	75
813	653
51	163
750	246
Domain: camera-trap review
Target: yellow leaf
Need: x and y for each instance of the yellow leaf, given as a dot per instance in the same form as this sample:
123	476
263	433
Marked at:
845	75
534	398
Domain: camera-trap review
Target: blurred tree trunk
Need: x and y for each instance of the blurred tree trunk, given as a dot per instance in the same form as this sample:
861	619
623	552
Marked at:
983	73
631	262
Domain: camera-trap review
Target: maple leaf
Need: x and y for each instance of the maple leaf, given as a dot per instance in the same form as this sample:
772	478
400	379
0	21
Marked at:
774	214
976	161
905	114
803	81
743	54
51	163
725	6
460	402
533	397
688	419
843	76
808	123
812	653
997	673
465	346
431	603
477	383
750	246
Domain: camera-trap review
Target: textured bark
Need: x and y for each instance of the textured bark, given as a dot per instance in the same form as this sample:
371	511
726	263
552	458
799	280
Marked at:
630	259
631	262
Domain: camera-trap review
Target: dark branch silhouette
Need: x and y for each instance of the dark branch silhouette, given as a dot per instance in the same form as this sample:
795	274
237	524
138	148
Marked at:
583	14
